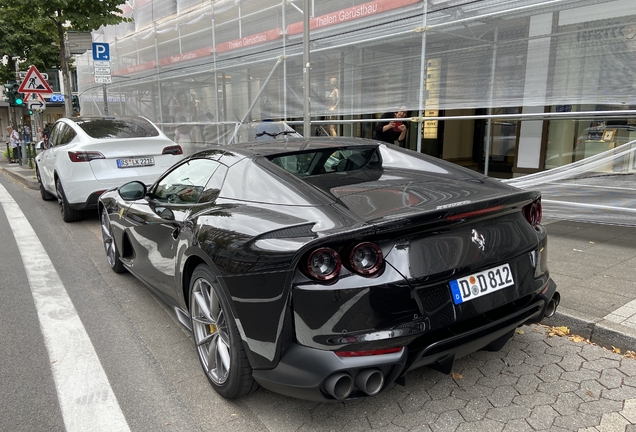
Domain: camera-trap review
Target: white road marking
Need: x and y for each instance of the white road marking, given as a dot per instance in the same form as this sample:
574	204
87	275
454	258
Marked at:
86	399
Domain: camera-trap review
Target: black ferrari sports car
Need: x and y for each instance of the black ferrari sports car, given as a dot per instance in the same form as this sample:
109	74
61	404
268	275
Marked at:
327	268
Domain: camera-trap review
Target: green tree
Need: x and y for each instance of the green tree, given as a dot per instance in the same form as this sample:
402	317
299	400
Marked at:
65	15
28	37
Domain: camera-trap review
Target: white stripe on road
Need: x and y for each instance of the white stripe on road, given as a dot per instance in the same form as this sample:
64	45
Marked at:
86	399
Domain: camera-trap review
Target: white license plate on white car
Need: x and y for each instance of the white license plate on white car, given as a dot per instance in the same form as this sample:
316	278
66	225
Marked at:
136	162
481	284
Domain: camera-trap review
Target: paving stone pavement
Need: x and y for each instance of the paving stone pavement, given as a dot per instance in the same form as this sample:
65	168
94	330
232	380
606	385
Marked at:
535	383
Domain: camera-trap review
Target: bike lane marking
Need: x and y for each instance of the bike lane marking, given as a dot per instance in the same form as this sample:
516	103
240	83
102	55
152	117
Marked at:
86	398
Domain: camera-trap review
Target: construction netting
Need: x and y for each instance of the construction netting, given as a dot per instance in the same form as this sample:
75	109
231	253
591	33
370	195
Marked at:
241	61
600	189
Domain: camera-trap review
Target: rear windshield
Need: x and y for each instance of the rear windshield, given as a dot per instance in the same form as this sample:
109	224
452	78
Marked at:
118	128
324	161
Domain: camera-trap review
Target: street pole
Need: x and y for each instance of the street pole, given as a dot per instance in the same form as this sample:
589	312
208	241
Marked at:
105	99
306	69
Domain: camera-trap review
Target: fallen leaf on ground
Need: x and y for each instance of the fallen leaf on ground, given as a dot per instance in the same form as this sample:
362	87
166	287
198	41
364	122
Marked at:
616	350
577	338
590	394
519	331
558	331
631	355
456	375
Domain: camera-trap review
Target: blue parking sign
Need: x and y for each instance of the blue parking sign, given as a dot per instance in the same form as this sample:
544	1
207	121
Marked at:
101	51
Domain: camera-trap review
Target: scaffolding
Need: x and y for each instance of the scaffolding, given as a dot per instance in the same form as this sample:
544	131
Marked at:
242	62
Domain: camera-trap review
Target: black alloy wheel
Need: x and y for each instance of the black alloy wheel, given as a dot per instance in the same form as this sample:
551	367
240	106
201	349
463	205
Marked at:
68	214
217	339
112	254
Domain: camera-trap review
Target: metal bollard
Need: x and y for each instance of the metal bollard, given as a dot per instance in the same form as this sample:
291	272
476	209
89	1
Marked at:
8	153
29	155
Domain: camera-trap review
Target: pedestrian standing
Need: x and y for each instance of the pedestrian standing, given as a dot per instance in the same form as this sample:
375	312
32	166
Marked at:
46	133
26	133
392	131
14	142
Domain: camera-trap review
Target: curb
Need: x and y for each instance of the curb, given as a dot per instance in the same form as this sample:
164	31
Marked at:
605	333
31	183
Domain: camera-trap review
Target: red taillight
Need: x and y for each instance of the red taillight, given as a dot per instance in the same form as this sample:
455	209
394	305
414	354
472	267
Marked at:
473	213
366	259
533	212
84	156
173	150
368	352
323	264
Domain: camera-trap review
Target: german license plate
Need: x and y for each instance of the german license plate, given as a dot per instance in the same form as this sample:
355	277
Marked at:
136	162
480	284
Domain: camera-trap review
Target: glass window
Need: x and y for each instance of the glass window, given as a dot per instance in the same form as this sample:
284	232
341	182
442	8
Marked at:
118	128
56	133
184	184
328	161
67	134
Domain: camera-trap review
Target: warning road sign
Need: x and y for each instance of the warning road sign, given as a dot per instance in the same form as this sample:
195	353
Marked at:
35	101
34	82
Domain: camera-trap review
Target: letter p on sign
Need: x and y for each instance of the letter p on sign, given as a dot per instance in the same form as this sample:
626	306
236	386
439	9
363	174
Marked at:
101	51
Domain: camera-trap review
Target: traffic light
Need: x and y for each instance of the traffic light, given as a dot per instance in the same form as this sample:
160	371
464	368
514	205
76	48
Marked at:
76	104
12	95
9	95
19	97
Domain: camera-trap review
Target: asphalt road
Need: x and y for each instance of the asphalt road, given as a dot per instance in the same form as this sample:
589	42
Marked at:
537	382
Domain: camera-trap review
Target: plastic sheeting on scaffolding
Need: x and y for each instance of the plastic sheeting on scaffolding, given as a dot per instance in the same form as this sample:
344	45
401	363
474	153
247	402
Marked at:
599	188
183	58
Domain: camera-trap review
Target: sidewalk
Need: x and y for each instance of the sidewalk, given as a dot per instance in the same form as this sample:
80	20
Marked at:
593	265
22	173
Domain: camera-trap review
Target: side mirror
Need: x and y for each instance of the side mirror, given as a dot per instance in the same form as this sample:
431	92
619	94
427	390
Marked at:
132	191
164	213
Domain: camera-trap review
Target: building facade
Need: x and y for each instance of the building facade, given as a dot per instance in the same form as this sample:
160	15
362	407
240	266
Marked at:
503	86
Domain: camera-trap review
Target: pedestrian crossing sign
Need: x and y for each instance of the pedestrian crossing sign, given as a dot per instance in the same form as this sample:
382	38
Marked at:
33	82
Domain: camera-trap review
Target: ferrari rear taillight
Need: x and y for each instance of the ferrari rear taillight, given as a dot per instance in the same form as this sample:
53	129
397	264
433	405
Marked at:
173	150
366	259
323	264
368	352
85	156
533	212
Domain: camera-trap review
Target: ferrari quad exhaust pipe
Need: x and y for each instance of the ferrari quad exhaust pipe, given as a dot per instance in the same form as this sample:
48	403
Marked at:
339	385
370	381
552	305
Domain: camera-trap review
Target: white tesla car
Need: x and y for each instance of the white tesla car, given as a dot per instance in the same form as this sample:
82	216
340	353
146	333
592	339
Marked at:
89	155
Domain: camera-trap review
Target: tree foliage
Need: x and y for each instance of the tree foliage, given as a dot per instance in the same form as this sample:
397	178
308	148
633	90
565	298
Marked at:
28	28
29	37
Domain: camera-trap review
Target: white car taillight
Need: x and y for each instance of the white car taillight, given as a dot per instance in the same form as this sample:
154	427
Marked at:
84	156
173	150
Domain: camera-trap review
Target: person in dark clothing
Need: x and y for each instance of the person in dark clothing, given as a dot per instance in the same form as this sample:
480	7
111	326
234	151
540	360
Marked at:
46	134
391	131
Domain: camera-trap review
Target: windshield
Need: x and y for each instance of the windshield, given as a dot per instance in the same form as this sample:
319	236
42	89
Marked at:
102	128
